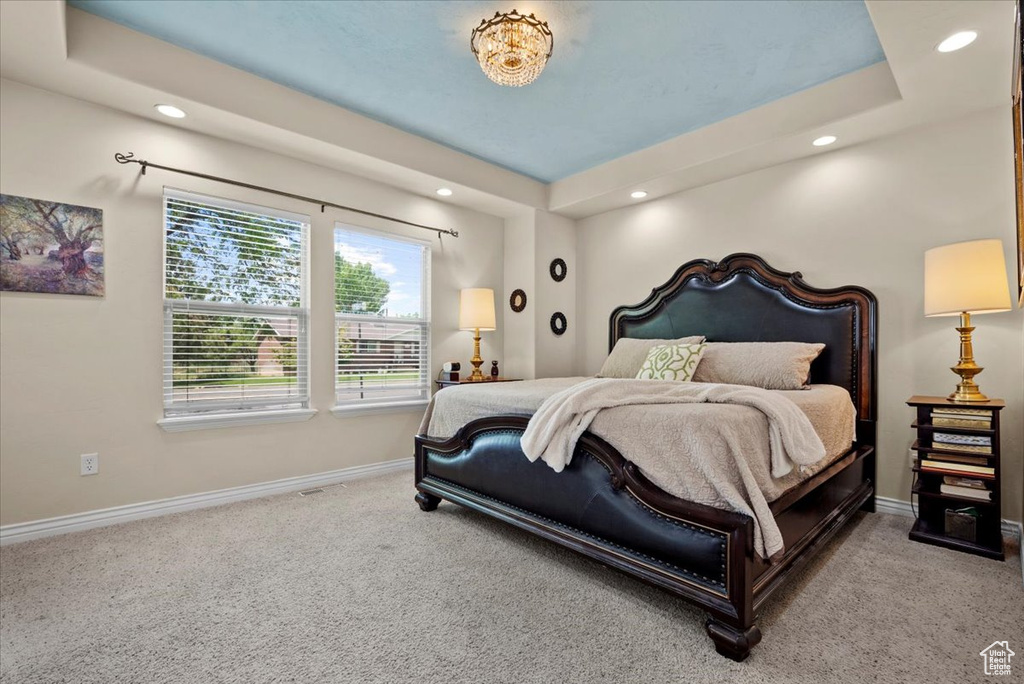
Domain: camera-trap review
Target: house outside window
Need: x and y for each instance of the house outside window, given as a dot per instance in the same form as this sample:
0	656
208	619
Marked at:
382	320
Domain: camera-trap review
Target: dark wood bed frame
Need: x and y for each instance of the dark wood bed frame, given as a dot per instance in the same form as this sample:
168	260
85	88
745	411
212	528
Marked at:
602	505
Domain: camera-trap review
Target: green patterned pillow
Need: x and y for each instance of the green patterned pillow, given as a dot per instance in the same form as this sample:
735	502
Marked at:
671	362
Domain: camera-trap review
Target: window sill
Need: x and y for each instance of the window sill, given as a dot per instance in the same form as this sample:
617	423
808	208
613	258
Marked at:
222	420
370	409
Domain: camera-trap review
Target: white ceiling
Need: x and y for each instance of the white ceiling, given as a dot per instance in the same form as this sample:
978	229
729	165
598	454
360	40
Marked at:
45	44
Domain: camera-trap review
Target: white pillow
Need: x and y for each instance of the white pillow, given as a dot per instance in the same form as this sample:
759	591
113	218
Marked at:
671	362
630	353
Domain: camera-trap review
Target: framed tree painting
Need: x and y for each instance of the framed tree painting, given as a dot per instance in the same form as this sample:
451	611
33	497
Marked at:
1018	146
50	247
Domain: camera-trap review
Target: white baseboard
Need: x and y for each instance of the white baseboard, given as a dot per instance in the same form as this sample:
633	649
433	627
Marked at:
884	504
19	532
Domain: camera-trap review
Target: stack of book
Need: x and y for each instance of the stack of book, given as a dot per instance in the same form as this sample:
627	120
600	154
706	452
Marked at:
966	487
979	419
958	469
966	467
975	444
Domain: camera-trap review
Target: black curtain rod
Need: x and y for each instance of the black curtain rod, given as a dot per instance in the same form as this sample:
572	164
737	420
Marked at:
130	159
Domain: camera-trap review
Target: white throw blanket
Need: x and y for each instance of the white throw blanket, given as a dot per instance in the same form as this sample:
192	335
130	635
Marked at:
562	419
713	454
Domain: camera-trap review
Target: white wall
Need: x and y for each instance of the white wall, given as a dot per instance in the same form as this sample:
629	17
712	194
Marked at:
556	238
532	240
83	374
520	330
862	215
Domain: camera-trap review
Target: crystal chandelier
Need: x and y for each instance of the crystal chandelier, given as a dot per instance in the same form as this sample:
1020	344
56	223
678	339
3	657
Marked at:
511	48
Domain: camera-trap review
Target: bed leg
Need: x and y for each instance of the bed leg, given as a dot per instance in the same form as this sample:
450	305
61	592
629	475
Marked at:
427	502
732	642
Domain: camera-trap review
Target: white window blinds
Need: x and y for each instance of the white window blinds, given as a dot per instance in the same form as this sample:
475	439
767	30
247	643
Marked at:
235	306
382	317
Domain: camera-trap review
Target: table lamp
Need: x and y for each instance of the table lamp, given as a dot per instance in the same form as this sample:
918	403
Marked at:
961	279
476	313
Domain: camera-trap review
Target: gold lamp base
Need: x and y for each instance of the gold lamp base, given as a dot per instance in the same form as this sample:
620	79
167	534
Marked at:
966	390
477	360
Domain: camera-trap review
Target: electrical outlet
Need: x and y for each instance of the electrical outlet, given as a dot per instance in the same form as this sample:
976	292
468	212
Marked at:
90	464
912	455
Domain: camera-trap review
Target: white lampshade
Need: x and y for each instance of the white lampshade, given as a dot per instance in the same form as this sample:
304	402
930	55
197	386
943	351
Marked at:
476	309
966	277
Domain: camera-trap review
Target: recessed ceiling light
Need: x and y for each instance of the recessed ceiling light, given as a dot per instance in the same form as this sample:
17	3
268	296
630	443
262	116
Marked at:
824	140
171	111
444	192
957	41
638	194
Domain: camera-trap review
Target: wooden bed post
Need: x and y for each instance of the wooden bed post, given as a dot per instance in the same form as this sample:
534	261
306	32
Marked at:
734	636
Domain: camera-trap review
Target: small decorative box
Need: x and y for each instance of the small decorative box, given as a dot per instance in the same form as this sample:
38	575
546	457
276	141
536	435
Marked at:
962	524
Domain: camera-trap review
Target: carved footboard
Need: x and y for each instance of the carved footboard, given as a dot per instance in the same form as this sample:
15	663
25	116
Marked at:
603	507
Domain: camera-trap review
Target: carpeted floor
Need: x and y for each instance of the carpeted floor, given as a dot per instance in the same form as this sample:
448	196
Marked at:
358	585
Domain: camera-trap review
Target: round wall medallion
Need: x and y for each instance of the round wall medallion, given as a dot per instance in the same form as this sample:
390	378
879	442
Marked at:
558	270
558	323
517	301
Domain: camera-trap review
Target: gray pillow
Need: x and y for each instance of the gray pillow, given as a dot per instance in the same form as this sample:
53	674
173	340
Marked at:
770	365
629	354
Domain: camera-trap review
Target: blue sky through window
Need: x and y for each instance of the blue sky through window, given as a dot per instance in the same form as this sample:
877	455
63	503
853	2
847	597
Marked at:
396	261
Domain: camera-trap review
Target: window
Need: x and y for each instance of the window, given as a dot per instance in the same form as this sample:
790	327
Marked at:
235	310
382	317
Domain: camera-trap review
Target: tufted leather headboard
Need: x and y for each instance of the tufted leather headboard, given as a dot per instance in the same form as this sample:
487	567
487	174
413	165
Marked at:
743	299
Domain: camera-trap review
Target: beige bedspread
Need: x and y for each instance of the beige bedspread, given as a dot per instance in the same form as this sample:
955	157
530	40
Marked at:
713	454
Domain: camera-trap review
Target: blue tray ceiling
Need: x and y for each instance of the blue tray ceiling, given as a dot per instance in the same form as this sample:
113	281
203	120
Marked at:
624	75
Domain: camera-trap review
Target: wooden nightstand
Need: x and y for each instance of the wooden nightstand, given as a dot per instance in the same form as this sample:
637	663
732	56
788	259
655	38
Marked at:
441	384
958	422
